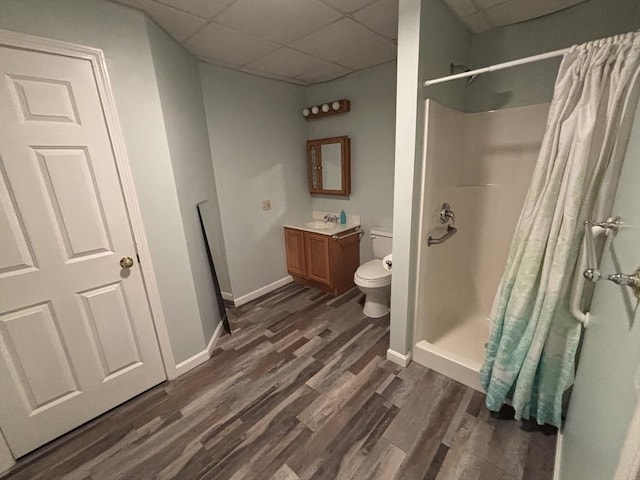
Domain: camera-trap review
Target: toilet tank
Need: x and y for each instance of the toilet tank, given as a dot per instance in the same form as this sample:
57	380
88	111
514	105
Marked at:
381	238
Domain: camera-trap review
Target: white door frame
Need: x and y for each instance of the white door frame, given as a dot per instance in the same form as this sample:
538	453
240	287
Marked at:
99	66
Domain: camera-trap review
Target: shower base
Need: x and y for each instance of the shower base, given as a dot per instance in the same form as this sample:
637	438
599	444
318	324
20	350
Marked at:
457	353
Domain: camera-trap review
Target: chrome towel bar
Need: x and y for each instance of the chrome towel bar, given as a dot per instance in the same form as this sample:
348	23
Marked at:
357	231
592	272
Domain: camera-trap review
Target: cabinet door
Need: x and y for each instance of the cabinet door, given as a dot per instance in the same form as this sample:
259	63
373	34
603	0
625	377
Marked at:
317	255
329	163
314	166
294	244
345	260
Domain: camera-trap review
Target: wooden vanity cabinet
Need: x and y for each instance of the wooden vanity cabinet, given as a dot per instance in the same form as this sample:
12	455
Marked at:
322	261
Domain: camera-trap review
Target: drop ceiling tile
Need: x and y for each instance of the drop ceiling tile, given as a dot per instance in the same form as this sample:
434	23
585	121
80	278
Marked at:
223	44
201	8
382	17
342	39
377	56
324	74
278	20
521	10
287	63
461	8
476	22
129	3
489	3
179	24
273	76
349	6
220	63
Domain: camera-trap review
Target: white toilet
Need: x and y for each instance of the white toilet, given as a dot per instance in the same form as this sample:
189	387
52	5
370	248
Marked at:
373	279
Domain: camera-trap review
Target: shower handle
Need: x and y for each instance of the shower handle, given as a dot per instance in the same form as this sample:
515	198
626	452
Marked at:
632	281
446	214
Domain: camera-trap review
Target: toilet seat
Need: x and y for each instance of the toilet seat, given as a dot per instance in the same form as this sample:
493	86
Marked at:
372	274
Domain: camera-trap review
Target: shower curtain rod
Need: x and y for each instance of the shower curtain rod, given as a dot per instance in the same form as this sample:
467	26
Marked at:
499	66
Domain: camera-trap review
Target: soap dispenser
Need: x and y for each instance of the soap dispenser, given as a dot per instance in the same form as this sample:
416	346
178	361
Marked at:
343	217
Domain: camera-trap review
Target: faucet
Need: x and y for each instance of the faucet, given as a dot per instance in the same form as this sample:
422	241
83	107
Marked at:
446	214
331	218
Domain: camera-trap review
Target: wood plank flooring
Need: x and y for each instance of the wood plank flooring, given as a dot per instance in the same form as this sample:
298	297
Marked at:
300	391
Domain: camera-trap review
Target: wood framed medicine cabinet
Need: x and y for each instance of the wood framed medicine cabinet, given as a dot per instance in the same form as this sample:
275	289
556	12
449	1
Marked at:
329	165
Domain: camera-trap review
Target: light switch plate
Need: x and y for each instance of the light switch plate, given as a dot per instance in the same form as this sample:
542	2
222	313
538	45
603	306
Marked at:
266	205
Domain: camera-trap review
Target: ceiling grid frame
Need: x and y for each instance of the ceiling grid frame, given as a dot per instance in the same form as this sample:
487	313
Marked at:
311	52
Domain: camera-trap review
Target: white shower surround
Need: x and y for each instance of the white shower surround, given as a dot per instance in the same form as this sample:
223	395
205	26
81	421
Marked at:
481	164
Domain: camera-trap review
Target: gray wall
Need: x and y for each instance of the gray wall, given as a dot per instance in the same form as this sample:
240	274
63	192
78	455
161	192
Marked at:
371	126
443	39
605	393
533	83
121	33
257	137
185	124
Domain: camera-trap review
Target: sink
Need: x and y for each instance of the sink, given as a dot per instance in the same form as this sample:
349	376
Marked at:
320	225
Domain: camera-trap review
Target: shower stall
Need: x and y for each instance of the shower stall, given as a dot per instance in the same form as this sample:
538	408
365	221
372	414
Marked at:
480	164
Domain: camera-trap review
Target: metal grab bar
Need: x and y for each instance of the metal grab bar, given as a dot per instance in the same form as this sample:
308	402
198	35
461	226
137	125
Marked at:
437	241
357	231
589	261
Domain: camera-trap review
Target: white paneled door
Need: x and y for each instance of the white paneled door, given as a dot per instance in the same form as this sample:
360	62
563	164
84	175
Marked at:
76	333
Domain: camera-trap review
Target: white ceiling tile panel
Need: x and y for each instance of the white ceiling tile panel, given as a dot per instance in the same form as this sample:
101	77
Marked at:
129	3
227	45
219	63
339	40
349	6
287	62
278	20
489	3
324	74
381	16
303	41
201	8
461	8
247	69
380	55
520	10
179	24
476	22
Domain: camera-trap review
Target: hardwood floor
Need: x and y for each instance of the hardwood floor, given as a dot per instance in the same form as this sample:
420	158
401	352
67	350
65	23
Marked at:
301	390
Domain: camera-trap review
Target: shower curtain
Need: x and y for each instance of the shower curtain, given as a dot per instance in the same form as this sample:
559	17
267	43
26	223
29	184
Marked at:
531	350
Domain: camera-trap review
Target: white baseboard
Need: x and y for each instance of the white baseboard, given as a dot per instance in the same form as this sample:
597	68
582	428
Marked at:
201	357
558	460
262	291
227	296
398	358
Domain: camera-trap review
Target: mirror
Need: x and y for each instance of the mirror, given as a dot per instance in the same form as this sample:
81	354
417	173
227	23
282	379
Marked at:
329	162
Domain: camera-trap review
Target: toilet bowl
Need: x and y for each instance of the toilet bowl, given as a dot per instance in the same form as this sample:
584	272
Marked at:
373	279
375	282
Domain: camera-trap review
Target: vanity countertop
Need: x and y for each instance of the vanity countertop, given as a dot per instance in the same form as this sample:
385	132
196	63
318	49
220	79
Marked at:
334	230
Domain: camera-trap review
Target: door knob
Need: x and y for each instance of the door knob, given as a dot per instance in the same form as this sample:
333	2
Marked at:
126	262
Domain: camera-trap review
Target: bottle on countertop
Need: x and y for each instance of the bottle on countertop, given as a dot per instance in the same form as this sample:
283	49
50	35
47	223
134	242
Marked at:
343	217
